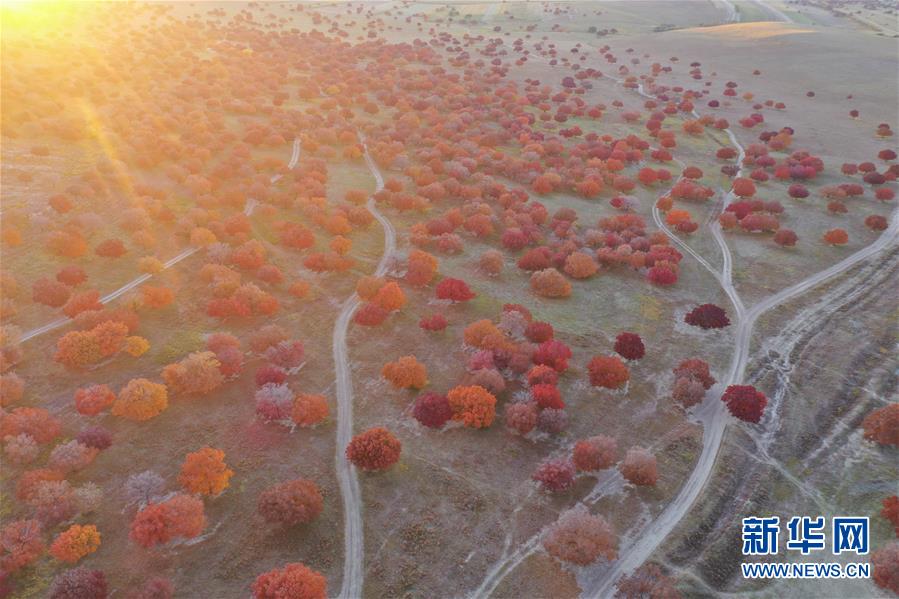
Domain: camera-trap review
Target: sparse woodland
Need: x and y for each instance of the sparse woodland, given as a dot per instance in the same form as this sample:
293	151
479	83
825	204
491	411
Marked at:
192	196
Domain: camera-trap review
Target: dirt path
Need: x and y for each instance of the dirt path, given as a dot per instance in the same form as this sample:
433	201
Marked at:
249	206
353	539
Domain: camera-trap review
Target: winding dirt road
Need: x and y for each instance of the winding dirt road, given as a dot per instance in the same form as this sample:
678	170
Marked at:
353	538
249	206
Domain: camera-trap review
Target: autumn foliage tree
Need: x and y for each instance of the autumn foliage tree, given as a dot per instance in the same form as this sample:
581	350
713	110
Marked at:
94	399
454	290
370	315
629	346
707	316
836	237
580	265
492	262
890	511
75	542
745	402
552	353
293	581
159	523
85	301
421	268
21	544
289	503
204	472
472	405
140	400
581	538
37	423
156	297
434	322
197	374
786	238
555	475
550	283
522	417
594	453
374	449
12	387
608	372
882	425
50	293
390	297
79	582
309	409
432	410
639	467
886	567
647	581
547	396
79	349
406	373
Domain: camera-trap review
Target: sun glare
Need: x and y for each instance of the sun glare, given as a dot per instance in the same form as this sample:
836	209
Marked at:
33	15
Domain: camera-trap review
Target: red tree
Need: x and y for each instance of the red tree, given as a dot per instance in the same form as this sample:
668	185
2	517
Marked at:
882	425
550	283
647	581
876	222
886	567
608	372
890	511
432	410
542	375
370	315
547	396
50	293
697	369
111	248
309	409
293	581
553	353
434	322
707	316
555	475
158	523
375	449
745	402
538	332
785	237
21	543
35	422
82	302
688	391
836	237
595	453
289	503
92	400
581	538
79	583
454	290
521	417
639	467
629	346
662	276
472	405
